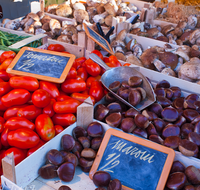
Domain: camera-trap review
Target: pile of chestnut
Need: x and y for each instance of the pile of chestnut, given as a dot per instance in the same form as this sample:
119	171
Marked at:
130	90
173	120
79	149
181	177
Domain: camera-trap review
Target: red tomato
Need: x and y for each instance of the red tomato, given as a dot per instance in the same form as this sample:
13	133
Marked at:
58	129
97	52
23	138
24	82
5	64
32	150
89	81
72	73
16	97
67	106
96	91
127	64
2	107
56	47
81	72
2	120
82	97
62	98
18	122
64	119
12	111
1	126
29	112
6	55
44	127
78	62
4	139
41	98
72	85
86	91
92	68
113	62
19	154
51	88
4	88
49	109
4	76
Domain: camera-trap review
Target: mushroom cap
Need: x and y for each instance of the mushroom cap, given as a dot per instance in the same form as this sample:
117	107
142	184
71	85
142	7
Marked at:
153	32
108	20
183	55
194	53
130	44
162	38
81	15
179	42
135	30
79	6
121	35
178	31
34	16
52	6
120	56
192	22
169	59
194	36
100	8
168	71
109	8
167	29
64	10
70	30
182	24
185	36
75	38
45	19
40	14
46	27
116	43
132	59
148	57
65	38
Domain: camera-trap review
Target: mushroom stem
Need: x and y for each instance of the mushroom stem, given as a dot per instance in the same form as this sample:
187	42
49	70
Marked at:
100	17
113	2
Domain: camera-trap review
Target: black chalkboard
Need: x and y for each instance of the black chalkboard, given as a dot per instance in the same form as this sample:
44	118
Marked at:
136	162
98	39
42	64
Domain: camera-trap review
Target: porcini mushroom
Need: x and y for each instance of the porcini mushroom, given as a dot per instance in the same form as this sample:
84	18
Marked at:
81	15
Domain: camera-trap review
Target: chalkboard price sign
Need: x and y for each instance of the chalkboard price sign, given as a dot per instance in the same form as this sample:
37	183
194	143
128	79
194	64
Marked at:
98	39
138	163
42	64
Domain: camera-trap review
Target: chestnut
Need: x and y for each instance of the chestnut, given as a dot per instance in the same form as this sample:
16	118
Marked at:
177	166
170	130
176	180
178	103
190	187
96	142
114	119
141	121
141	132
109	97
114	86
142	92
67	142
115	184
172	142
180	121
188	148
192	98
88	153
70	157
66	171
197	105
151	130
101	113
64	187
85	163
156	108
101	178
78	147
163	84
79	132
195	120
85	142
55	157
189	105
160	92
156	139
131	112
86	169
164	102
95	129
186	129
176	92
100	188
169	93
190	114
193	174
194	137
169	114
197	128
114	107
125	84
134	97
123	93
134	81
128	124
48	171
149	115
159	124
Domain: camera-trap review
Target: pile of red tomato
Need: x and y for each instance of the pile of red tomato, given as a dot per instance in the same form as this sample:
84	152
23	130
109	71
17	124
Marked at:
32	112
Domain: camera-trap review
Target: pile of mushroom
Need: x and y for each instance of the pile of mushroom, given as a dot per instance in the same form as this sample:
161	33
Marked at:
182	62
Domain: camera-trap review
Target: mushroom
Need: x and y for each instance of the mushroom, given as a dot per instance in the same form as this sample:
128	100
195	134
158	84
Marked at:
185	36
118	46
169	59
180	62
65	38
109	8
137	50
113	3
148	57
81	15
167	29
132	59
77	6
194	52
12	24
29	29
40	14
120	56
37	24
178	31
194	36
153	32
92	11
192	22
100	8
64	10
108	20
100	18
53	6
46	27
34	16
159	65
130	44
75	38
162	38
69	30
45	19
182	25
135	30
55	26
39	31
121	35
168	71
